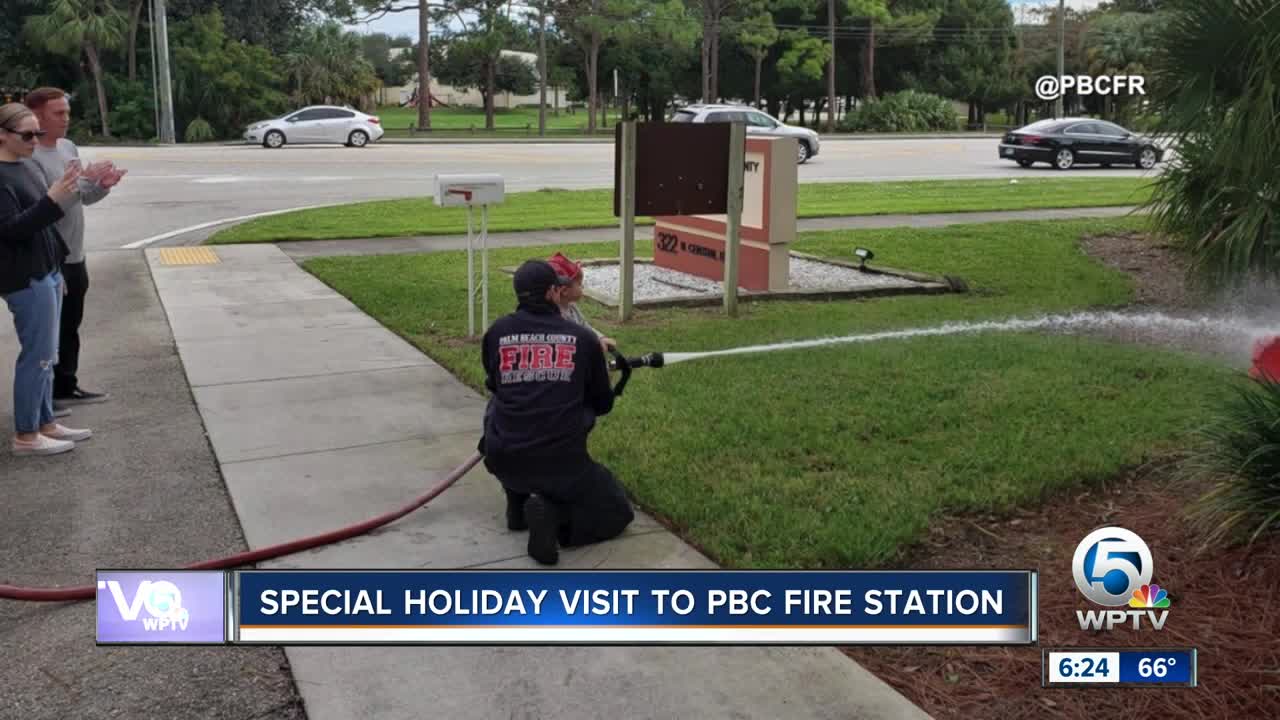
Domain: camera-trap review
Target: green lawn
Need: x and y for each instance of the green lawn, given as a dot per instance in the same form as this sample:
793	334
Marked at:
839	457
399	119
563	209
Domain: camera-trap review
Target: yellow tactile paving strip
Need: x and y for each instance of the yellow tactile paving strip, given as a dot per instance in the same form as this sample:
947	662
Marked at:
188	256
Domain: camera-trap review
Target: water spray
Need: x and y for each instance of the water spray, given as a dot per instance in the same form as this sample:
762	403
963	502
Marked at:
1264	337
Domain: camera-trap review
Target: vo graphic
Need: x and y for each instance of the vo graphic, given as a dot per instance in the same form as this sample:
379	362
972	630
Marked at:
1112	567
161	599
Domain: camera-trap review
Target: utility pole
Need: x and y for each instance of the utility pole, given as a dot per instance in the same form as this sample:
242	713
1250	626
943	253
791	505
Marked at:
166	88
1062	42
542	69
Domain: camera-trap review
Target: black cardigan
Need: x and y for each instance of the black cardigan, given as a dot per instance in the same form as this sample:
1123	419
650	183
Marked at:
30	245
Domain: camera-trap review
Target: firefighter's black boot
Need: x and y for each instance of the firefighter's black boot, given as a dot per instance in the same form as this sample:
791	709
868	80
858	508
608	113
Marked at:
515	511
544	530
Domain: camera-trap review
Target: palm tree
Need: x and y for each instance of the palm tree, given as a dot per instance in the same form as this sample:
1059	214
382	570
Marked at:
1216	85
72	27
327	66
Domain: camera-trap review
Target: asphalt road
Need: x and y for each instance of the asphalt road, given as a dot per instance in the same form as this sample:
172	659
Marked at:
180	188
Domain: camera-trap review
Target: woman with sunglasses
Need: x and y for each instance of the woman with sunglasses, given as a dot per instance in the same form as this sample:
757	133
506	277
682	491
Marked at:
31	255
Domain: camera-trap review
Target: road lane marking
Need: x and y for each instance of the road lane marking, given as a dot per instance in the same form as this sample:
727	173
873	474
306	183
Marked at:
214	223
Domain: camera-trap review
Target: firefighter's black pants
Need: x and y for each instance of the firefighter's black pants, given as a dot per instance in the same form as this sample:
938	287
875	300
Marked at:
590	504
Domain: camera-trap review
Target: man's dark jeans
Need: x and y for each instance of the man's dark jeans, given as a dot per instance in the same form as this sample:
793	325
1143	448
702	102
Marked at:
64	373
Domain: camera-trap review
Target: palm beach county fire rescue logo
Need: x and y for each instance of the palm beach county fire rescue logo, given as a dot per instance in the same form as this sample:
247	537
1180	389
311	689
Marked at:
537	357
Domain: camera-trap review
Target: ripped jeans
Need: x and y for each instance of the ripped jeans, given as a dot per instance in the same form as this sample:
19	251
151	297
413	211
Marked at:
35	317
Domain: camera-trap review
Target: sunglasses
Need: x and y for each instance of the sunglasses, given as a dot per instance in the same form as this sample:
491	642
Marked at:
29	135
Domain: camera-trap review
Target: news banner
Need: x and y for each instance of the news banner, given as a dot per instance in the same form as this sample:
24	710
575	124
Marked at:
1113	568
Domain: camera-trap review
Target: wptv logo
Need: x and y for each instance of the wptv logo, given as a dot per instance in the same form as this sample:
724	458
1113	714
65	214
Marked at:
1113	568
161	599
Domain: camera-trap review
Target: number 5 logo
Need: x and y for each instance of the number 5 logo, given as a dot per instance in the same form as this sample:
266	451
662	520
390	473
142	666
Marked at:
1109	564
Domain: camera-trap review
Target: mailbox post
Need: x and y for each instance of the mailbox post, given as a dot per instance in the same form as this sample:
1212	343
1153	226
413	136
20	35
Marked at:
473	190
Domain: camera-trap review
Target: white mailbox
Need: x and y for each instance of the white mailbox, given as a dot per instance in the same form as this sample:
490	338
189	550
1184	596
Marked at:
455	190
471	191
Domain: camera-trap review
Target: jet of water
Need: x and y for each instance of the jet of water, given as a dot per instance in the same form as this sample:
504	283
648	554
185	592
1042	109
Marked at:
1232	328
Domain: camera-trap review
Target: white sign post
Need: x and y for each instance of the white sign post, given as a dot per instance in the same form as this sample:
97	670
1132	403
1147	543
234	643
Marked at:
473	190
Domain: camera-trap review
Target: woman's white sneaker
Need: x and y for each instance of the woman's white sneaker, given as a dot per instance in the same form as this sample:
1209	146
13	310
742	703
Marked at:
61	432
41	445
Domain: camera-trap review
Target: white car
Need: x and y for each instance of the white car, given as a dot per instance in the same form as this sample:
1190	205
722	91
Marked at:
758	123
317	124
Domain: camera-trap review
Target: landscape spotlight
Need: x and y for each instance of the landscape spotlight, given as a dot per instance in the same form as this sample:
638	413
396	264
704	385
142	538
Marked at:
866	255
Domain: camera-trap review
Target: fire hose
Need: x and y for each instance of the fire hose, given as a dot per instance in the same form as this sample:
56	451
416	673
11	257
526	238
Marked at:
88	592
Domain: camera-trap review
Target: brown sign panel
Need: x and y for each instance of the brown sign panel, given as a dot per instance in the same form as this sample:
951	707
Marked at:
681	169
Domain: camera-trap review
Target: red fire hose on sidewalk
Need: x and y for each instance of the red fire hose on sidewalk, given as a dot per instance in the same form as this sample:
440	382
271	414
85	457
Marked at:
88	592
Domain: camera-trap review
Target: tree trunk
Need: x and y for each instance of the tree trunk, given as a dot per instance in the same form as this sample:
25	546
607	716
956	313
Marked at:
831	66
706	60
715	61
759	63
542	71
424	67
95	67
593	59
490	83
135	16
869	69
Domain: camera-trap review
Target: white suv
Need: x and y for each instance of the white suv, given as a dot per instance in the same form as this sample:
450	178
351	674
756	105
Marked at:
758	123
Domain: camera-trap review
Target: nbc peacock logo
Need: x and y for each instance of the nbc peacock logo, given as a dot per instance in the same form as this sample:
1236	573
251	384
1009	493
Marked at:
1149	596
1113	568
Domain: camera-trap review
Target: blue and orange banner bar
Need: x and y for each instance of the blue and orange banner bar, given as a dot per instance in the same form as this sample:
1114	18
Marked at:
573	607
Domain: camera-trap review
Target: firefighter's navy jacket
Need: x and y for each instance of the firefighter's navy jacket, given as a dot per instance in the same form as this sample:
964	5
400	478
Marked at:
549	380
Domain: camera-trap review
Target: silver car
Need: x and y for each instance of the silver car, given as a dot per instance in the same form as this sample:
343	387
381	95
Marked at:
317	124
758	123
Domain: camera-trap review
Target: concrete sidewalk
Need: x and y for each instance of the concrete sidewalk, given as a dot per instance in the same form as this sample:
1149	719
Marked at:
304	249
144	492
320	417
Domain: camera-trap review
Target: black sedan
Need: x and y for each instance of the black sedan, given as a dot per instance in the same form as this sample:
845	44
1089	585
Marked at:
1078	141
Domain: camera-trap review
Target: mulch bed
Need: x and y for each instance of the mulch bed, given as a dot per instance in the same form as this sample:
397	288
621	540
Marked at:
1158	269
1221	599
1220	605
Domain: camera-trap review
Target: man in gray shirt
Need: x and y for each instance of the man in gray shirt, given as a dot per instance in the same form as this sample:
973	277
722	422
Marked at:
53	107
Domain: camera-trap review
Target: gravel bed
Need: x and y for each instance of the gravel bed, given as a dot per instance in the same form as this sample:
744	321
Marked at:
657	283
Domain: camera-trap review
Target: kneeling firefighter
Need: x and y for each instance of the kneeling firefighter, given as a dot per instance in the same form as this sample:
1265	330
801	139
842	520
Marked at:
549	381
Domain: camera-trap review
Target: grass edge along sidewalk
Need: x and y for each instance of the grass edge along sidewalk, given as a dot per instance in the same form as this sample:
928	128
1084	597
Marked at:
839	457
552	209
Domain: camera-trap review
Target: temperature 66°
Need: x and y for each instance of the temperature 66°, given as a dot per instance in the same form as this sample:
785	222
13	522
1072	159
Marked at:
1158	667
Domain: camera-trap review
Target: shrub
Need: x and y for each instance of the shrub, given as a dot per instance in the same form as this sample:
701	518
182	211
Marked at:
1238	454
1216	82
198	130
906	111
